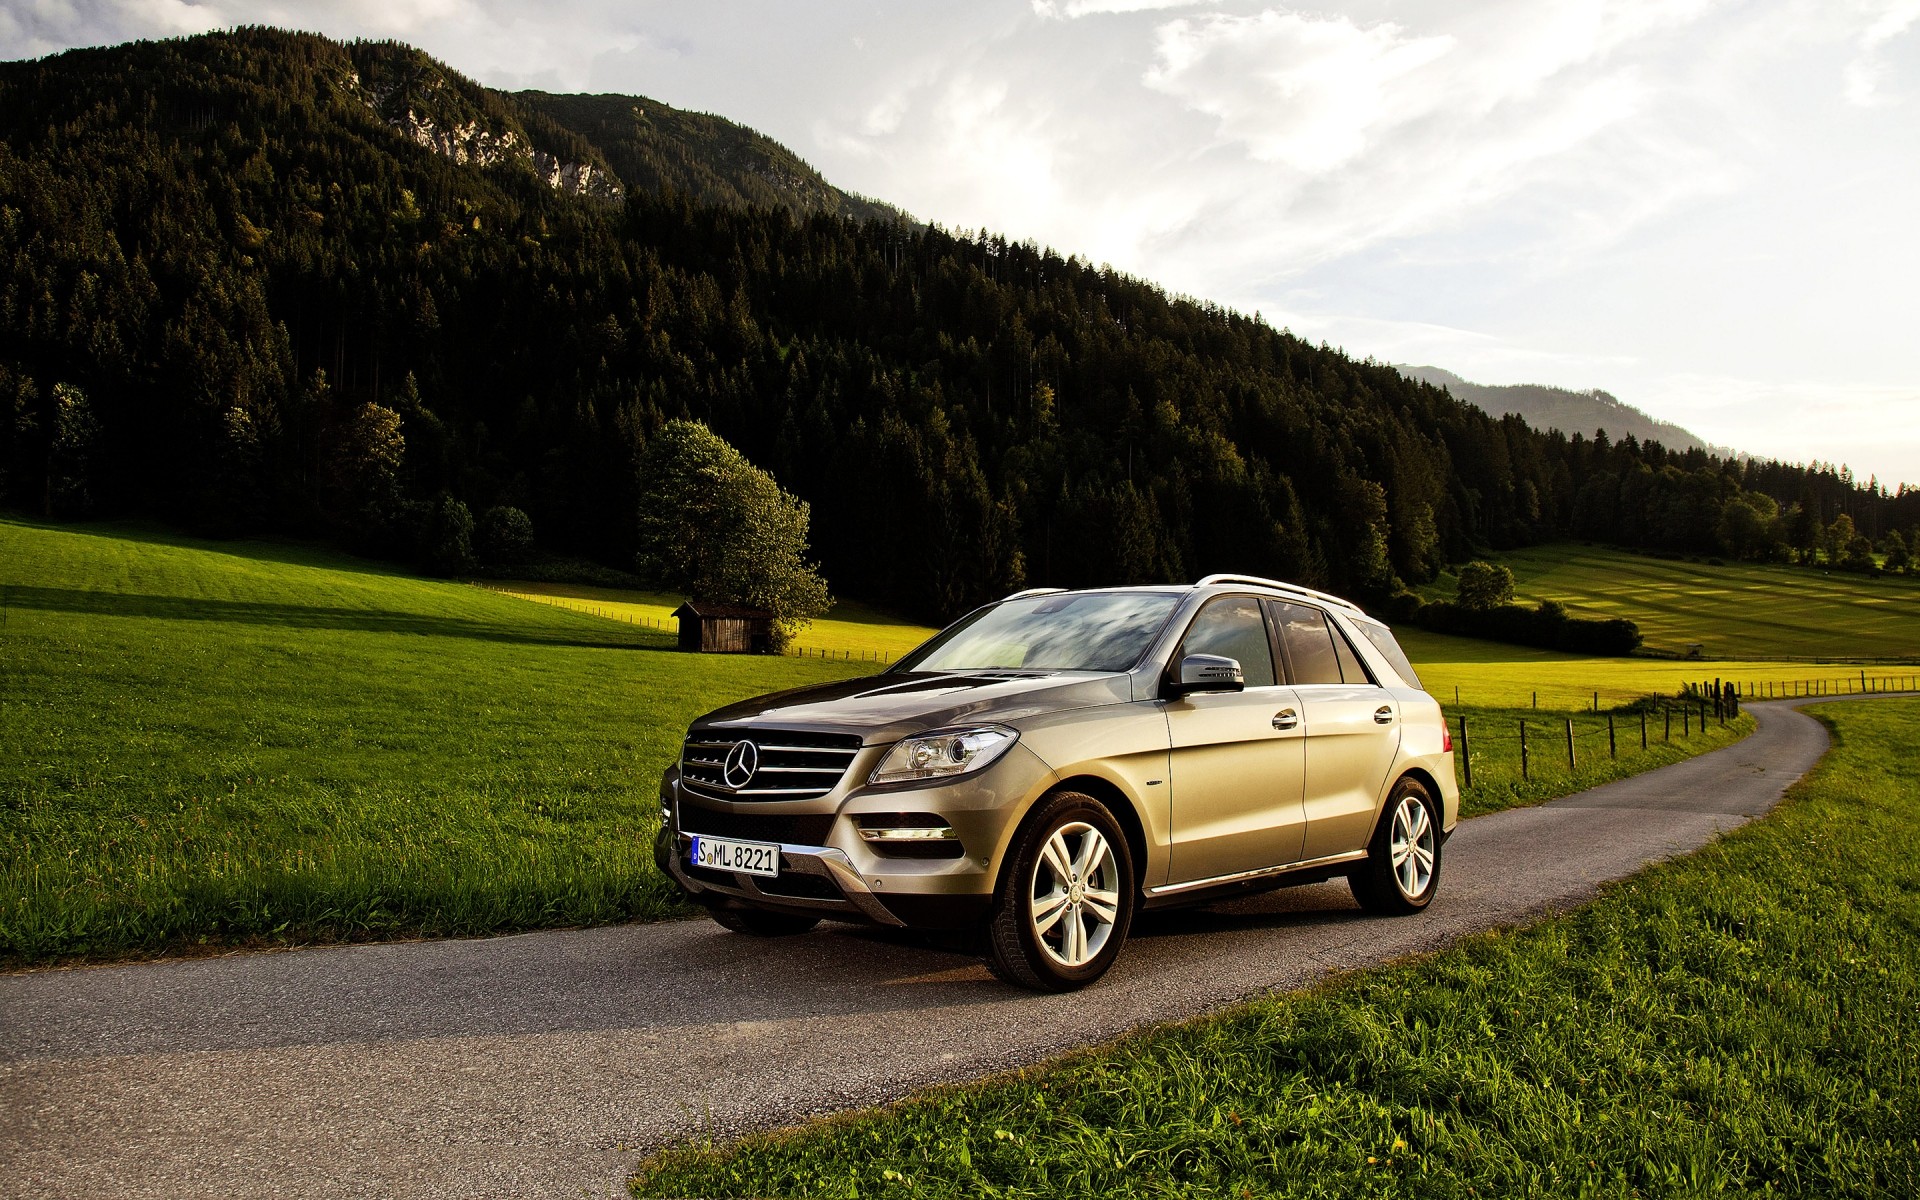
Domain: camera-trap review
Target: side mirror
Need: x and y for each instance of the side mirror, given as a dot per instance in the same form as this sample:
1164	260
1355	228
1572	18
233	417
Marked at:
1207	673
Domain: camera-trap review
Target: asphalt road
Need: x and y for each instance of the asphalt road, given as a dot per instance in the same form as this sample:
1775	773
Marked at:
543	1064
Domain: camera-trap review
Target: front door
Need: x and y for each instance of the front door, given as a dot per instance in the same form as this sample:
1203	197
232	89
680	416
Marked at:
1238	757
1352	726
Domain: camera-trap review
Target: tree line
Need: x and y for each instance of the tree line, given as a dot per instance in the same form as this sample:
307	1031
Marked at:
233	296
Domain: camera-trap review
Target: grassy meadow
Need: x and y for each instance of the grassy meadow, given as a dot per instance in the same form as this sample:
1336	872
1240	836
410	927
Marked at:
1744	1021
1733	610
258	741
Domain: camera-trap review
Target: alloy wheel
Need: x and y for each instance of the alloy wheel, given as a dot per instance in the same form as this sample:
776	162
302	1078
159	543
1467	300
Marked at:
1412	848
1076	894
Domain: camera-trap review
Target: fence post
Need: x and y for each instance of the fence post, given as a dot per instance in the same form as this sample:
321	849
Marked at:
1524	773
1643	730
1570	763
1686	720
1613	751
1863	679
1536	699
1466	750
1668	710
1596	702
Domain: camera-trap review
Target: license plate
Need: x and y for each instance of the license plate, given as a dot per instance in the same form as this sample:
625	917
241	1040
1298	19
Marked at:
725	854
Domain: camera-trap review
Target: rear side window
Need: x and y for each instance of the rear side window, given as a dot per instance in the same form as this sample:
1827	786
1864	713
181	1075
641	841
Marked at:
1350	666
1309	643
1234	628
1383	641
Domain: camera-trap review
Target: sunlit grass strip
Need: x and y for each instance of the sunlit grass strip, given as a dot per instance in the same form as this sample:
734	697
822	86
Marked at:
1744	1021
849	632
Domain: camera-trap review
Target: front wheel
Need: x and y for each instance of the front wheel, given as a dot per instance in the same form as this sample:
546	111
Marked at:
1402	870
1066	898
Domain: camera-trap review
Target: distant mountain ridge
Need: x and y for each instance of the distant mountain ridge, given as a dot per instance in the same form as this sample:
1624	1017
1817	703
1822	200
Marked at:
1571	412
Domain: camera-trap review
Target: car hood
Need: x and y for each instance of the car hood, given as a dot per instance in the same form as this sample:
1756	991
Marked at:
885	708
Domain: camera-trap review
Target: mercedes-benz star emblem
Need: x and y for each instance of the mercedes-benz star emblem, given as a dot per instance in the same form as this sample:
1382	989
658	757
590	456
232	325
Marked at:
742	761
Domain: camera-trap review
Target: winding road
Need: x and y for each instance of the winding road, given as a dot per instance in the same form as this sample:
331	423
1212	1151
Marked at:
546	1063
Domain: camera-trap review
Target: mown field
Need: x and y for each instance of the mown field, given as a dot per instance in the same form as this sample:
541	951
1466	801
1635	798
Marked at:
1744	1021
263	742
1734	610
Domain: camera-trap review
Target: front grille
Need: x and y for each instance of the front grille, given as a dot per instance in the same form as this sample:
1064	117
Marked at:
791	766
806	829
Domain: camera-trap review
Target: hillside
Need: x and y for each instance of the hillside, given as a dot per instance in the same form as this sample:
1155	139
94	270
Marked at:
266	281
1732	610
1560	408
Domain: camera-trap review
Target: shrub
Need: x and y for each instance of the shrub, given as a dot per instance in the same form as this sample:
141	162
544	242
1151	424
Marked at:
505	535
1483	586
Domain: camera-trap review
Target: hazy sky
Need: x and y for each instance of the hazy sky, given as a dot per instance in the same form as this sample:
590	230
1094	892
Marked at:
1706	208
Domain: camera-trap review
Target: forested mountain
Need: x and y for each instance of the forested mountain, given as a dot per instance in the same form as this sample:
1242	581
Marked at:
264	280
1561	408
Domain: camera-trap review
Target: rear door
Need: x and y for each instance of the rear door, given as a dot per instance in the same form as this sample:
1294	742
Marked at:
1352	730
1237	757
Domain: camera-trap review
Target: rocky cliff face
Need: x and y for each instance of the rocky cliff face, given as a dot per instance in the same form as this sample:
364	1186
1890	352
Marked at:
479	140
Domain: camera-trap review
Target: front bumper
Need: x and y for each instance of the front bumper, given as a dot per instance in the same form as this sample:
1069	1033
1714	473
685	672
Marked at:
831	871
855	901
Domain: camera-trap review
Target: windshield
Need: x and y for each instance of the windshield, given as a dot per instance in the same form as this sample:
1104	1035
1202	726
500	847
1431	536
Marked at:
1077	631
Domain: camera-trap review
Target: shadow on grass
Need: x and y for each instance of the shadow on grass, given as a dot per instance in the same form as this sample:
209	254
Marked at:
300	616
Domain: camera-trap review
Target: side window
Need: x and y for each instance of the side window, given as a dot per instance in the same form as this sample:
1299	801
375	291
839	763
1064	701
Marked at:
1351	668
1233	627
1309	644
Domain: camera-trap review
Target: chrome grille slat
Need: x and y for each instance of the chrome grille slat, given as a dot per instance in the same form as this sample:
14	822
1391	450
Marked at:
798	765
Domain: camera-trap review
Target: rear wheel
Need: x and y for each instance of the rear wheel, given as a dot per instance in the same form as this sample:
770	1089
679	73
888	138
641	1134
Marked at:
1066	897
1402	870
760	922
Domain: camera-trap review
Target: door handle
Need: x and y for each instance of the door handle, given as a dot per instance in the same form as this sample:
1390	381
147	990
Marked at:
1383	715
1285	719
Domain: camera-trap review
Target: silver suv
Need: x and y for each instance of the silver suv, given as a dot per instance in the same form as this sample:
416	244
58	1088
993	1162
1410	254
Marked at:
1048	765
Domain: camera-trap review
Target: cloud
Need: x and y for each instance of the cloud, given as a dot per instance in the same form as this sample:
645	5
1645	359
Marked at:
1302	91
1073	10
1862	76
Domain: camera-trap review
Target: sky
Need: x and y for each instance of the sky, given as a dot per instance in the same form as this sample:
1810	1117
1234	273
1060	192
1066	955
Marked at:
1710	208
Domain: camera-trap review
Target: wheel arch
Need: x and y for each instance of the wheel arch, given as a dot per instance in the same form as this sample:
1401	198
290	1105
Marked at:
1125	815
1425	779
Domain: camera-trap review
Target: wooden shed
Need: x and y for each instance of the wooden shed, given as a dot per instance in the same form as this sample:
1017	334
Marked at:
724	628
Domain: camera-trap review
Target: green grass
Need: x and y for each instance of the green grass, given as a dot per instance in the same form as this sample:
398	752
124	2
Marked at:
849	630
1489	673
257	741
1494	741
1744	1020
1735	610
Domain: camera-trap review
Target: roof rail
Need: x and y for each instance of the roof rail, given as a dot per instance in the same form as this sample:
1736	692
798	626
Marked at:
1290	588
1031	592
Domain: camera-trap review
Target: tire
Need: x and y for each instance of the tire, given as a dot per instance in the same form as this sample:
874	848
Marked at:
760	922
1049	931
1402	872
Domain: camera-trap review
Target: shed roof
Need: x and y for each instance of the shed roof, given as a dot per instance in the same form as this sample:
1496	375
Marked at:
707	608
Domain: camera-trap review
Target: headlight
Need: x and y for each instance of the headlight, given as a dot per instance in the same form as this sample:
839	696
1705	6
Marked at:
944	753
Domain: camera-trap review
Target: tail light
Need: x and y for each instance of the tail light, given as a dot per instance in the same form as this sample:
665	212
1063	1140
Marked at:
1446	740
